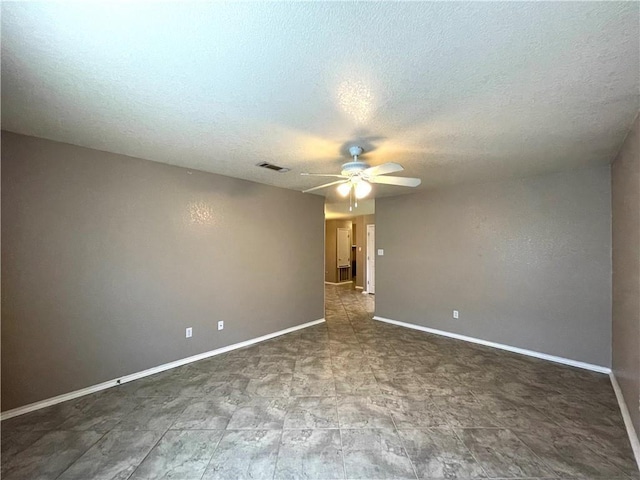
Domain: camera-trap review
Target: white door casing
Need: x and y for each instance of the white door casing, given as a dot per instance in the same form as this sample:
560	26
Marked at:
371	259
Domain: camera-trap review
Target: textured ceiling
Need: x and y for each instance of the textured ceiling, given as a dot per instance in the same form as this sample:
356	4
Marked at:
455	92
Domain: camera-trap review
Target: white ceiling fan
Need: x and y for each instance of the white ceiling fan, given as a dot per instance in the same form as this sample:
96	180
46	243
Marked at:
356	177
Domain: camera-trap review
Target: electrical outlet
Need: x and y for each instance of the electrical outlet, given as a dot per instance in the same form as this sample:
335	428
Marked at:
189	332
220	325
456	314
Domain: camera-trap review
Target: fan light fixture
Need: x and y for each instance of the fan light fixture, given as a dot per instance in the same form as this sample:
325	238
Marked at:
362	189
356	177
344	189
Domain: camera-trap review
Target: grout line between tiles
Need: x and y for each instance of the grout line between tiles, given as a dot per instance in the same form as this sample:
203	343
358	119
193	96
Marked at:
83	453
148	453
470	452
406	452
213	452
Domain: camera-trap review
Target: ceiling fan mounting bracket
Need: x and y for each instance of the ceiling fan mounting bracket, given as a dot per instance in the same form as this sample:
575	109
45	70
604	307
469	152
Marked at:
355	150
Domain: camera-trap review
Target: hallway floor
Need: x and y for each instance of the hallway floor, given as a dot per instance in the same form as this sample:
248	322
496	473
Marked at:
352	398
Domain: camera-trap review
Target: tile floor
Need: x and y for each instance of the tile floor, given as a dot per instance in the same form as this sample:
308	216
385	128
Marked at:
352	398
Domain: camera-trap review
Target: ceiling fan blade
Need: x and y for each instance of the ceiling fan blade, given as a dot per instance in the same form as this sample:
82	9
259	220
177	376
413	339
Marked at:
401	181
324	186
323	175
383	169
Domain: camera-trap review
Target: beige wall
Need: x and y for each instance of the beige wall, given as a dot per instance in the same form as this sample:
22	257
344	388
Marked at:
331	247
106	259
625	185
527	262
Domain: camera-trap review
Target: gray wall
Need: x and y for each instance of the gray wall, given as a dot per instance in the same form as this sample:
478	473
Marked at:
526	262
106	259
625	186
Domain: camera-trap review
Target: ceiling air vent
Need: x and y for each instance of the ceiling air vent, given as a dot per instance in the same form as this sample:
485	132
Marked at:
273	167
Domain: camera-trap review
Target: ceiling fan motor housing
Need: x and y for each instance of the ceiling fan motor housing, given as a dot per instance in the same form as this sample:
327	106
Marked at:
350	169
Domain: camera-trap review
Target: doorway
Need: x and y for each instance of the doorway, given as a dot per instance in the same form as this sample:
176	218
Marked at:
344	254
350	255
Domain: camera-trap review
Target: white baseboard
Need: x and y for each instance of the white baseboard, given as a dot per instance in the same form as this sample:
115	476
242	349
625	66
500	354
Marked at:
631	431
522	351
145	373
339	283
359	288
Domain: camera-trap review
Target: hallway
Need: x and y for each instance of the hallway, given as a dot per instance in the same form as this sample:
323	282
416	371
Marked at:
353	398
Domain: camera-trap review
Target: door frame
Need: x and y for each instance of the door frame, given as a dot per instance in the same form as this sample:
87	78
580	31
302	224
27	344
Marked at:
371	258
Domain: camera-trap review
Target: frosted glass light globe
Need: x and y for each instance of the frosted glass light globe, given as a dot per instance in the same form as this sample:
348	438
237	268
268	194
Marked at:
344	189
362	189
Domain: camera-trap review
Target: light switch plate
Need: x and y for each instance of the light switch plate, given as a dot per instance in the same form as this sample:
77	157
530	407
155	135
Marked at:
380	252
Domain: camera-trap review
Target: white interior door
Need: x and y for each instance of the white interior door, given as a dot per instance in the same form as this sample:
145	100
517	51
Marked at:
344	248
371	259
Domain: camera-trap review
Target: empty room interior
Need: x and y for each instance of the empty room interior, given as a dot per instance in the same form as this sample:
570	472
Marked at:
320	240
